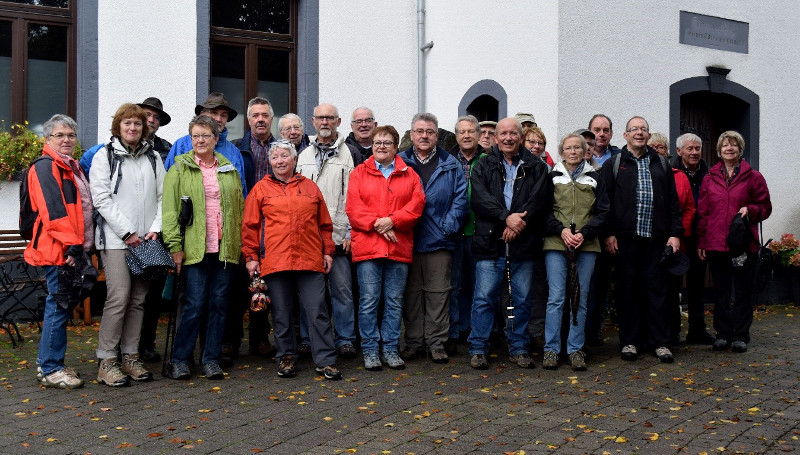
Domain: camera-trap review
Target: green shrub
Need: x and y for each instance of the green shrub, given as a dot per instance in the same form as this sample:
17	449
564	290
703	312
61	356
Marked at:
19	147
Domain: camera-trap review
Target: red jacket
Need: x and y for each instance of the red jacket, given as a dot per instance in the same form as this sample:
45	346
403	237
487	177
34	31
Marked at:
718	203
685	201
54	194
371	196
286	226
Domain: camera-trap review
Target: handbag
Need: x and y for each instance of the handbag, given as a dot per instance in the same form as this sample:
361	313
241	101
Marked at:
762	270
149	261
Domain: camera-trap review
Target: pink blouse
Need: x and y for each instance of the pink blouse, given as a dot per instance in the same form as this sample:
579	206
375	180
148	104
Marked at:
213	210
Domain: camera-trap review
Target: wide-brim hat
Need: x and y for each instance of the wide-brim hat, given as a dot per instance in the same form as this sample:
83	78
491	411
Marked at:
674	262
523	117
155	104
215	100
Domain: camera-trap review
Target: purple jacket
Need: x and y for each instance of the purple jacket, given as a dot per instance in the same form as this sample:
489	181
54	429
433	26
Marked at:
719	202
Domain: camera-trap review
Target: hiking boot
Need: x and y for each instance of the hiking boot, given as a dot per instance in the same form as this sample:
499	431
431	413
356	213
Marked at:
702	337
664	355
550	361
228	354
479	362
110	373
629	353
149	355
180	371
264	349
410	353
439	356
721	345
451	346
330	372
133	366
392	360
65	378
739	346
372	362
304	350
347	351
213	371
578	361
286	367
522	360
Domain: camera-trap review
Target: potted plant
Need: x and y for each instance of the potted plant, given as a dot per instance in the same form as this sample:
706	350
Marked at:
786	252
19	146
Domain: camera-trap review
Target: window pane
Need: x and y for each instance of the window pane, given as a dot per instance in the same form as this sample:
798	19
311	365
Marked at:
54	3
227	76
5	74
273	81
270	16
47	73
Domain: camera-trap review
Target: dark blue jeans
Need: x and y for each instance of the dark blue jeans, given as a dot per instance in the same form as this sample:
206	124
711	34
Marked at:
53	343
207	286
462	282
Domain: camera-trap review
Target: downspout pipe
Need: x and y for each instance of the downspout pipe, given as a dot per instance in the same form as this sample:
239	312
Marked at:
423	46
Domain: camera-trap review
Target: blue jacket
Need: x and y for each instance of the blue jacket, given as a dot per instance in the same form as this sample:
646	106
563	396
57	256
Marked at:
249	160
445	203
225	148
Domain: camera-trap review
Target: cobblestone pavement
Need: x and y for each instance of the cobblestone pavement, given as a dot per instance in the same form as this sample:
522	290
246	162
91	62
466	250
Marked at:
706	402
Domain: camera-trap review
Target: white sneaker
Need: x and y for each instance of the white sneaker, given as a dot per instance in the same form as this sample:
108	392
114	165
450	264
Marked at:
65	378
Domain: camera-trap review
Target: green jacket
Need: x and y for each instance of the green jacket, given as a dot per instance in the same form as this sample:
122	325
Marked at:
582	201
185	178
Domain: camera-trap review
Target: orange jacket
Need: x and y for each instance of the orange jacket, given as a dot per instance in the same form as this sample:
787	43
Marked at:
54	195
371	196
286	226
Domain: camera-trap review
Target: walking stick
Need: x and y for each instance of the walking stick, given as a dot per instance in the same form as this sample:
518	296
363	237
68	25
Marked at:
510	307
185	218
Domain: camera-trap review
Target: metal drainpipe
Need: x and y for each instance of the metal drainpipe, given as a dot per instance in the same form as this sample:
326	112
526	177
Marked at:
423	46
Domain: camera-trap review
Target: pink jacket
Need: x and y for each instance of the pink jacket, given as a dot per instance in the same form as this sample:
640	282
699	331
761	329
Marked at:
718	203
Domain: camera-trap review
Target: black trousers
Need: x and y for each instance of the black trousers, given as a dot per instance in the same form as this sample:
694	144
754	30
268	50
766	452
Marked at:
238	303
642	292
733	304
695	284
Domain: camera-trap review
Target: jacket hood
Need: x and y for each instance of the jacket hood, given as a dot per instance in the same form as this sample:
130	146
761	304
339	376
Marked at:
527	159
119	149
188	160
340	138
561	167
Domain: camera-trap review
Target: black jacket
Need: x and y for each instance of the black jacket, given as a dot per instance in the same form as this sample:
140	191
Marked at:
695	180
622	196
161	146
532	193
365	152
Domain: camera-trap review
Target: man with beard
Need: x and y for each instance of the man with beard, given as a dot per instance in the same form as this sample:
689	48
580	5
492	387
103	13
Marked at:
328	161
361	135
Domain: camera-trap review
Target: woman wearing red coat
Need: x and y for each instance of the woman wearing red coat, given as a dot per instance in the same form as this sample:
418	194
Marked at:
287	239
731	188
384	201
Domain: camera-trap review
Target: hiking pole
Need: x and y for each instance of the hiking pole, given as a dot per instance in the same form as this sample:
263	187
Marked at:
510	307
185	218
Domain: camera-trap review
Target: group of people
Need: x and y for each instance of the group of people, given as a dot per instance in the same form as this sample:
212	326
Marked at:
493	239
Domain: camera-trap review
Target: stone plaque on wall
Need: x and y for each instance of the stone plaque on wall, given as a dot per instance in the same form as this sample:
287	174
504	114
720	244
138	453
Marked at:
714	32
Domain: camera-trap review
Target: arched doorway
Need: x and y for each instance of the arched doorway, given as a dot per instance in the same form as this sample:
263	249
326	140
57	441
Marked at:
708	106
486	100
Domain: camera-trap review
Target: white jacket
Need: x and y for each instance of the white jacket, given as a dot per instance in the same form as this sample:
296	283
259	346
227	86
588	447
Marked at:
332	180
136	206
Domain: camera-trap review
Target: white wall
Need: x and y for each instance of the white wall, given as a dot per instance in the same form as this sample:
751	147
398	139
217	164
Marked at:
621	60
151	52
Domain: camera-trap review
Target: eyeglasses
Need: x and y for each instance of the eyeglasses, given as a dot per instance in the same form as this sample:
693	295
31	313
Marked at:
535	143
377	144
362	121
292	128
60	136
421	132
634	129
577	148
519	168
323	118
205	137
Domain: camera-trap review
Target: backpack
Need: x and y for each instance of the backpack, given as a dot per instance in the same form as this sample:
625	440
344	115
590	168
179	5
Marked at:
27	216
616	159
114	161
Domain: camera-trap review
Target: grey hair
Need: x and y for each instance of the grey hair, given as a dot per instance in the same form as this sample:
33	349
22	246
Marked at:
363	108
468	118
202	120
59	119
290	116
688	137
259	100
283	144
658	138
425	116
584	145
